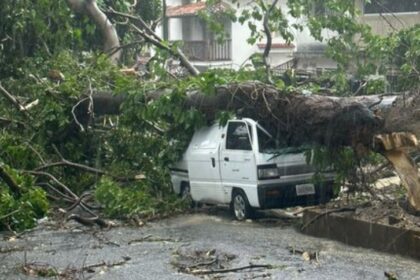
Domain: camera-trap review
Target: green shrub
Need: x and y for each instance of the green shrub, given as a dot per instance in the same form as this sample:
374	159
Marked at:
20	213
136	199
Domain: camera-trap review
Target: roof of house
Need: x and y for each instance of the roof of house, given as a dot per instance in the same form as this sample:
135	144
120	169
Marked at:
193	9
277	46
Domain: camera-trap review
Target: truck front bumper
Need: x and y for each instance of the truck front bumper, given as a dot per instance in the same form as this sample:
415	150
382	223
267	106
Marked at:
282	195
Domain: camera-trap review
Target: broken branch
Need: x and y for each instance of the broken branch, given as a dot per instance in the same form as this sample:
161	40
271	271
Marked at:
14	101
215	271
10	182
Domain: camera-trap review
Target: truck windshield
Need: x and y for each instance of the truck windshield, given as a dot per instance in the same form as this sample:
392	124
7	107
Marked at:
266	142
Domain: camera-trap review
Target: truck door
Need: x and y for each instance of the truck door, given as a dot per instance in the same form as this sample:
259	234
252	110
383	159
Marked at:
203	165
237	159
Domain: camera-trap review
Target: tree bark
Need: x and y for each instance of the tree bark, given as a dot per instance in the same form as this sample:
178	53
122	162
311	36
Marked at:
299	119
90	8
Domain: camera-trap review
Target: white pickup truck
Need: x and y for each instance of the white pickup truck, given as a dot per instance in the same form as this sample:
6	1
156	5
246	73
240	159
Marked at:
236	165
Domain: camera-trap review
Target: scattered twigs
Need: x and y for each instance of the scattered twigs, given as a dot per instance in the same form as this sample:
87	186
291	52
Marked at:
54	179
102	238
7	121
38	269
327	212
96	171
30	105
35	151
303	210
151	238
67	190
380	168
139	20
8	215
306	255
177	52
74	114
75	204
62	195
102	264
13	100
91	109
125	46
150	36
215	271
89	221
206	263
64	162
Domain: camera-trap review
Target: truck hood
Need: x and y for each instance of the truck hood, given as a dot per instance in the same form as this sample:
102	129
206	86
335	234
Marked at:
287	163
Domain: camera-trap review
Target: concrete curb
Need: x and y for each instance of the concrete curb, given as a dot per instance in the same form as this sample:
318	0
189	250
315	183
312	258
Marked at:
360	233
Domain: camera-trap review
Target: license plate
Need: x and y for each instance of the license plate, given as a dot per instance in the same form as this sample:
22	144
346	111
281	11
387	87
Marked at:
305	189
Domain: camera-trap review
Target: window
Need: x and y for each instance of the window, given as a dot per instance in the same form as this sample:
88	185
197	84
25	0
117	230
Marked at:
266	143
238	137
319	9
391	6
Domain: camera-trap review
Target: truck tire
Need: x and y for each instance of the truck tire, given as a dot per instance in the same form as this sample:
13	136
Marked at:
185	190
186	194
240	206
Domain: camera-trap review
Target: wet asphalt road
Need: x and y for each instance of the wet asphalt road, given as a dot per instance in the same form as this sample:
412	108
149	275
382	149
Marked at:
264	241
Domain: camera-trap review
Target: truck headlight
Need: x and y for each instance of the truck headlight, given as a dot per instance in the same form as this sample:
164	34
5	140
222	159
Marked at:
269	171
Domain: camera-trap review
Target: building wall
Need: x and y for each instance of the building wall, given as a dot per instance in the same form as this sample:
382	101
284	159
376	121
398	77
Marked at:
175	29
387	23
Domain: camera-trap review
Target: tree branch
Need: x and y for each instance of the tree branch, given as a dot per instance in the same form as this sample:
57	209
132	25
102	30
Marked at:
108	31
8	215
174	52
10	182
149	35
14	101
205	272
267	49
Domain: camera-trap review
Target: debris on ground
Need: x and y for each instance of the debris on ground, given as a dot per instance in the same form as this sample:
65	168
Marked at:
387	207
213	262
36	269
307	255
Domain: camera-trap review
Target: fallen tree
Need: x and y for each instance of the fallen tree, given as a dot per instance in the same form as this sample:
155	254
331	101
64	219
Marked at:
365	123
158	111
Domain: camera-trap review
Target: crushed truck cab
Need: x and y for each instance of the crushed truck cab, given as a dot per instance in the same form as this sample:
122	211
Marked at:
239	164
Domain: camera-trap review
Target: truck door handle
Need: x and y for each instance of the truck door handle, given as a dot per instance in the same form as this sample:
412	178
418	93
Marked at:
213	162
226	159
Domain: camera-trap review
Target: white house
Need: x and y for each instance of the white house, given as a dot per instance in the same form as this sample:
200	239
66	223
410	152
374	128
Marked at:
200	45
304	52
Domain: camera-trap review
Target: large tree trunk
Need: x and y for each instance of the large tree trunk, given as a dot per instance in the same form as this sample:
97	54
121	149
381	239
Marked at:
298	119
110	37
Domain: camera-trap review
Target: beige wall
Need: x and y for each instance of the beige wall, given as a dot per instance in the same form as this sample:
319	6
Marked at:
386	23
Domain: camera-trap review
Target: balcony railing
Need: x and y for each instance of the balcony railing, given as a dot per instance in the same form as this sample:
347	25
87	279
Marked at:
207	50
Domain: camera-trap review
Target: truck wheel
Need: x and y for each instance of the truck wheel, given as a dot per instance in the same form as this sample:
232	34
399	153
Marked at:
240	206
186	194
185	191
